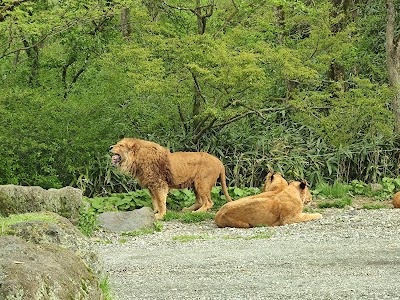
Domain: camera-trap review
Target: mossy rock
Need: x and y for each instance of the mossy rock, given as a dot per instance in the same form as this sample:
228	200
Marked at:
47	271
15	199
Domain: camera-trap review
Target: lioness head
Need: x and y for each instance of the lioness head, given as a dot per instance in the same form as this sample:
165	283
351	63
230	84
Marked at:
274	181
305	194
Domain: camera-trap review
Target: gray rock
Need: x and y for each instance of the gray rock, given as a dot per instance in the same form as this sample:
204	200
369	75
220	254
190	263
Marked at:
61	233
16	199
29	271
127	221
375	187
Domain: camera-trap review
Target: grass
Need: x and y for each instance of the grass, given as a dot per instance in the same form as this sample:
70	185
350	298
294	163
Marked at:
190	238
340	203
157	227
337	190
6	222
373	206
188	217
105	287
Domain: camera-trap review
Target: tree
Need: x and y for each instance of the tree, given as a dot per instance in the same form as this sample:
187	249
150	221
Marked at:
393	58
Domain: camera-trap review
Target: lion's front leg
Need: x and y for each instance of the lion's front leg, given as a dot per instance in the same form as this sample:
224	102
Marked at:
303	217
159	199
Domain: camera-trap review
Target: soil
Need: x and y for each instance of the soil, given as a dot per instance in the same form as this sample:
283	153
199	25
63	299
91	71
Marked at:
351	253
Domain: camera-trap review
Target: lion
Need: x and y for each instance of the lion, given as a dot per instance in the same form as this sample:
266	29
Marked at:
285	207
396	200
159	170
274	183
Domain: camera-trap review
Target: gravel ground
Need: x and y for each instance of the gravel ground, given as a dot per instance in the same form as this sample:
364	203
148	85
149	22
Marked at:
348	254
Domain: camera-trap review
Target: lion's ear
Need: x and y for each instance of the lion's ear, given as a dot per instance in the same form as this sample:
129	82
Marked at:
303	184
132	144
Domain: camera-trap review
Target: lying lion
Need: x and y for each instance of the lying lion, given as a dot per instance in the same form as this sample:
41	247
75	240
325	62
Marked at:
274	183
159	170
396	200
285	207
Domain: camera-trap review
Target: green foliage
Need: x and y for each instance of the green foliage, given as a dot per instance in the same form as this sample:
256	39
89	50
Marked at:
359	187
88	223
373	206
306	97
120	201
340	203
389	186
177	199
337	190
105	287
6	222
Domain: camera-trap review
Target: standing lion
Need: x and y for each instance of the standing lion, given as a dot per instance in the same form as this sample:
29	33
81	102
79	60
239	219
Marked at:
159	170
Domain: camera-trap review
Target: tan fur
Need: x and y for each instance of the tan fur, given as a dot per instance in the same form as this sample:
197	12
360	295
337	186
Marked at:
396	200
274	183
285	207
159	170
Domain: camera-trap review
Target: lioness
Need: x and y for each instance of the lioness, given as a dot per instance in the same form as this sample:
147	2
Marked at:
396	200
285	207
159	170
274	183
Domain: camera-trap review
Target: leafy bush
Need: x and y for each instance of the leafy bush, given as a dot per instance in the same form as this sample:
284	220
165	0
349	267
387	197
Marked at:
120	201
337	190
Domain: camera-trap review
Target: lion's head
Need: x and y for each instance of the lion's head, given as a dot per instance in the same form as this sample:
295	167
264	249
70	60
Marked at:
302	186
121	151
274	182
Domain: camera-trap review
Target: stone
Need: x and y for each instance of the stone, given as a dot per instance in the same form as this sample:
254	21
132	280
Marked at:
61	233
128	220
47	271
15	199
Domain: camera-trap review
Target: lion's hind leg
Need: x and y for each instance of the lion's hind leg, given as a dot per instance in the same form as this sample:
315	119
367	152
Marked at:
224	220
197	204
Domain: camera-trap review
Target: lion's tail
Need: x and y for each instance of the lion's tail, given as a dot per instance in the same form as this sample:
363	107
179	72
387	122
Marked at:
222	178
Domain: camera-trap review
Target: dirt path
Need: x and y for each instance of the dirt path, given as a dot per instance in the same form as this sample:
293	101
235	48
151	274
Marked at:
349	254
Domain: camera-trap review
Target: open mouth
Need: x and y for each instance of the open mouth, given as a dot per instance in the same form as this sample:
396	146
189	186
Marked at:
116	159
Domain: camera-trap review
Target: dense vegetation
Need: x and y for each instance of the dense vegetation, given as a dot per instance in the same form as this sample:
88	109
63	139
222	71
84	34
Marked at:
298	86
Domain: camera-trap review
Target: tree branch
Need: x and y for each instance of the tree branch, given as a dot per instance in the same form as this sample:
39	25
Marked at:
228	19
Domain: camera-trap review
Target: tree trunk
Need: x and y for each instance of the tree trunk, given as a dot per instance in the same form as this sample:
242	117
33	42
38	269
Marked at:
393	60
125	22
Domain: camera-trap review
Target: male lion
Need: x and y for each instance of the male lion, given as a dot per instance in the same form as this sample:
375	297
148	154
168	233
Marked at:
159	170
286	207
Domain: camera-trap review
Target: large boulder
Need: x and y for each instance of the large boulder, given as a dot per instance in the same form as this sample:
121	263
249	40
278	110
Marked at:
15	199
62	233
48	271
127	220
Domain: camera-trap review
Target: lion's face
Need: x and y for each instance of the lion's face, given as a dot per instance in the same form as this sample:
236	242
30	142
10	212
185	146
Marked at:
120	151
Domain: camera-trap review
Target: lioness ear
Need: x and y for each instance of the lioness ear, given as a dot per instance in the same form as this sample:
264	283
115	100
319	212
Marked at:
303	184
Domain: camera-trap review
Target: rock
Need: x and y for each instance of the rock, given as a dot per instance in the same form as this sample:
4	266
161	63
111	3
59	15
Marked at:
396	200
29	271
61	233
127	221
375	187
16	199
